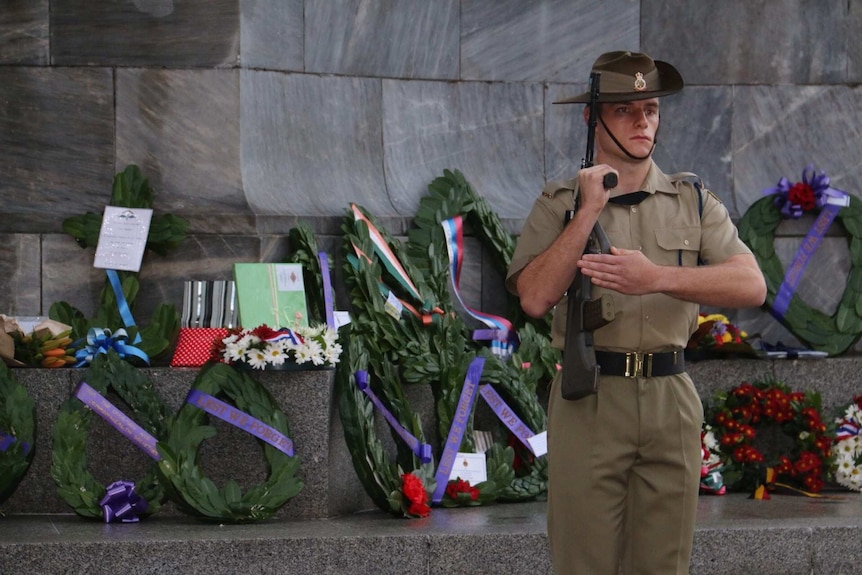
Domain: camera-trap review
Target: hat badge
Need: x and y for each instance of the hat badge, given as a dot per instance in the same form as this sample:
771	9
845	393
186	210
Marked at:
640	82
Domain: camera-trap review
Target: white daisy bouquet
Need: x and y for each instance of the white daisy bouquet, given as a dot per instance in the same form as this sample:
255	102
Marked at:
264	347
848	447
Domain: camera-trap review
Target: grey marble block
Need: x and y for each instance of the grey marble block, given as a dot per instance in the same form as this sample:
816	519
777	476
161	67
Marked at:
854	42
548	40
780	130
311	145
19	265
743	42
492	133
395	39
695	136
145	33
272	34
24	32
182	128
56	144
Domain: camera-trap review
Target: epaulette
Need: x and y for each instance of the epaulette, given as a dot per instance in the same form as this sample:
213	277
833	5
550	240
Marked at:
553	188
698	183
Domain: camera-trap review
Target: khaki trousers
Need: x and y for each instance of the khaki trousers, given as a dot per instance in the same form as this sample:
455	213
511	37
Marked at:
624	474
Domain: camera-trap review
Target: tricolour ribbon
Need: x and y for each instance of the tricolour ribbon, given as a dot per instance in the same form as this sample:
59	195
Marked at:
392	264
102	340
121	504
847	429
505	414
500	332
830	200
241	420
117	419
421	450
458	427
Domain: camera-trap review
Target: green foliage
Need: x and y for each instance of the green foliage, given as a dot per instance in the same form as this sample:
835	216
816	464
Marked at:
833	334
400	348
304	251
17	419
75	484
131	190
185	483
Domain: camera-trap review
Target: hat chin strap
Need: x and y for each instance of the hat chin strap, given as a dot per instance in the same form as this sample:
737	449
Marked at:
621	147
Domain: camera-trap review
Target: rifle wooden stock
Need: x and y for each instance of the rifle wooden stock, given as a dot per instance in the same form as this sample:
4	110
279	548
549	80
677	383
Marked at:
580	376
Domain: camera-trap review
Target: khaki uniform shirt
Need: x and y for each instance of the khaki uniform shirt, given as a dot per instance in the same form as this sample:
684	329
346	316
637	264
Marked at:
667	227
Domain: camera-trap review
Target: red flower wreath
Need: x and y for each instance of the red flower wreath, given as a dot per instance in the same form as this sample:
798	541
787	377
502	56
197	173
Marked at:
747	409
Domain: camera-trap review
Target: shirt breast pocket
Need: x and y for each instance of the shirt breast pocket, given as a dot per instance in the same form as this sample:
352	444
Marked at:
679	246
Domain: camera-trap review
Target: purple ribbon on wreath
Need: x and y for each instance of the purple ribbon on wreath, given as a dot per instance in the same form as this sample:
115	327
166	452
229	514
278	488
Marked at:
813	192
121	504
792	201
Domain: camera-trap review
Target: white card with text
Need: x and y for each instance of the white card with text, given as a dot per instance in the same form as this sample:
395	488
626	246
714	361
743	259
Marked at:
123	238
470	467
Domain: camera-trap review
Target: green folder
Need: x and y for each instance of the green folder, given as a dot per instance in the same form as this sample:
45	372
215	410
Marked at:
271	294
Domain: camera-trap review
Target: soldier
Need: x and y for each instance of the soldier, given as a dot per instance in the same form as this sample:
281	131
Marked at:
625	461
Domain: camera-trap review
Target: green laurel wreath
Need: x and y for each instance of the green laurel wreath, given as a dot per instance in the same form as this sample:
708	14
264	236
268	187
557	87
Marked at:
380	477
18	419
438	355
832	334
183	479
75	484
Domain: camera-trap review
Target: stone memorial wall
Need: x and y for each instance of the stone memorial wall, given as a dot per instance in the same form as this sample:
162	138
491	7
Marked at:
249	116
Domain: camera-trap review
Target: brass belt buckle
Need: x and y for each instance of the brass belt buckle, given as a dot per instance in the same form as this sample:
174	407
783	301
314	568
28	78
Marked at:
638	364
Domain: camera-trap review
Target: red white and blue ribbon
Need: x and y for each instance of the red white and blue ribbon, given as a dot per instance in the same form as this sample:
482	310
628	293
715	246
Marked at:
459	427
499	330
230	414
121	504
421	450
847	429
117	419
793	200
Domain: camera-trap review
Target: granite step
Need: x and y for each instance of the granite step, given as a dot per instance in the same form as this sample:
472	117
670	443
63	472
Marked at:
787	535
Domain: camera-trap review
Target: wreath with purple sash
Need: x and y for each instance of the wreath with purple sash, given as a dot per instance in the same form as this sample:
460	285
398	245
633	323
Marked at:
834	333
17	432
123	500
253	409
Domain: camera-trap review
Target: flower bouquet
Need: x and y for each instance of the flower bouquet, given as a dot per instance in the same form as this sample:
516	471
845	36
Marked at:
848	446
715	337
287	348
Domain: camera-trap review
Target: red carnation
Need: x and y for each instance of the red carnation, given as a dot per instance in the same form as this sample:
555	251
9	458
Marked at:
415	493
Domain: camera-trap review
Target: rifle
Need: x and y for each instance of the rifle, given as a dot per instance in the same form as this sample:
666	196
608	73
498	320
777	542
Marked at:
580	376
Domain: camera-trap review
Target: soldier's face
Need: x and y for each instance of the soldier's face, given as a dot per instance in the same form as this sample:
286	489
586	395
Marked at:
634	125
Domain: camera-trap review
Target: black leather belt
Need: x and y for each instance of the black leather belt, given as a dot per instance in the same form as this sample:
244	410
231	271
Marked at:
636	364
